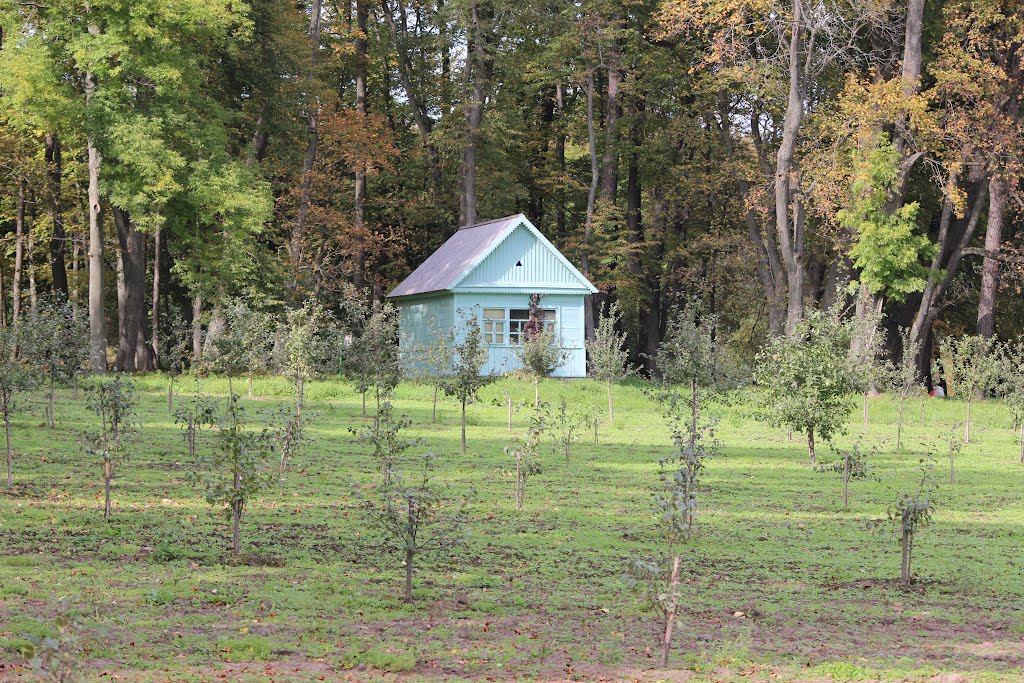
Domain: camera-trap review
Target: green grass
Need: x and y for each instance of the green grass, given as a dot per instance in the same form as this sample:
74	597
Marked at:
538	594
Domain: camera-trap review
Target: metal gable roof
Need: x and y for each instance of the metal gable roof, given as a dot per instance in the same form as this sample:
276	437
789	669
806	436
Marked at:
463	251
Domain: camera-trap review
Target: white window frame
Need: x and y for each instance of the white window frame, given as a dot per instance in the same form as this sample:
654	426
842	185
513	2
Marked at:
505	323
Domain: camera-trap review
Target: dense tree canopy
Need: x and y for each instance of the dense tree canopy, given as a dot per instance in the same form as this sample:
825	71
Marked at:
159	160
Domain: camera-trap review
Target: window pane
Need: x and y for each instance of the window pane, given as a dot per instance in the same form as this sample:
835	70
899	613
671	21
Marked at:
548	314
499	339
494	313
519	314
488	338
488	326
499	326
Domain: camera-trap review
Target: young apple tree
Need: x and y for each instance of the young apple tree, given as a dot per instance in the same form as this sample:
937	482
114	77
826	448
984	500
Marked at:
539	350
853	464
565	427
373	360
609	361
1011	386
236	469
432	362
311	346
15	377
657	579
56	345
911	511
415	516
872	370
688	354
905	378
526	452
969	366
467	376
114	403
385	437
807	379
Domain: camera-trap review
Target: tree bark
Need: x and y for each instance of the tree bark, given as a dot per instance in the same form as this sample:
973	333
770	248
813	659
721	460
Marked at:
588	230
19	254
155	303
55	172
131	353
298	236
810	444
997	195
478	68
424	124
97	327
788	203
359	198
610	157
670	613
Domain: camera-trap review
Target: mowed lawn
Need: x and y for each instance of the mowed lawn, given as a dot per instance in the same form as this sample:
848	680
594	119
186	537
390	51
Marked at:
781	582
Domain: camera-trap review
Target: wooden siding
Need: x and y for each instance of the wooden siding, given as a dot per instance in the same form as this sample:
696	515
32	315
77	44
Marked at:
569	320
421	320
541	269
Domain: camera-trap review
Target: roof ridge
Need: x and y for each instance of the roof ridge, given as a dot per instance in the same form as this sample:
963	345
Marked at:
493	220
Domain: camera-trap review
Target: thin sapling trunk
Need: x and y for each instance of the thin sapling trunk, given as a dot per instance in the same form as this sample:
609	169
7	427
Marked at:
409	556
899	426
611	408
7	433
508	401
463	426
108	471
967	424
670	613
810	443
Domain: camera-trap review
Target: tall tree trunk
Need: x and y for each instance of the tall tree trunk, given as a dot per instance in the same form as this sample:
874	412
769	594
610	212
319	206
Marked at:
997	194
946	262
97	327
19	253
610	157
788	203
424	124
131	355
298	236
560	138
359	199
588	230
155	303
55	172
477	82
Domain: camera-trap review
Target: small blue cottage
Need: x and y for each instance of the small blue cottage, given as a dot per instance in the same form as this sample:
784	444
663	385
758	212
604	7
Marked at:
489	270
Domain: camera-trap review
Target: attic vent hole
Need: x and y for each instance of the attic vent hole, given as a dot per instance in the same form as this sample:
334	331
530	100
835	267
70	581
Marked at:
519	264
